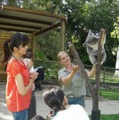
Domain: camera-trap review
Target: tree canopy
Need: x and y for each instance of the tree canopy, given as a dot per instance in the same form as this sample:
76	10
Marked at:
82	15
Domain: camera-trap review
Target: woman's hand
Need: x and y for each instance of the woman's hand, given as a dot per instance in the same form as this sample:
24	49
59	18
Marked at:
33	75
76	68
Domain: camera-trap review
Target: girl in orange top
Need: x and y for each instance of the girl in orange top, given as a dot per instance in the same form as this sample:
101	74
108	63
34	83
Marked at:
19	81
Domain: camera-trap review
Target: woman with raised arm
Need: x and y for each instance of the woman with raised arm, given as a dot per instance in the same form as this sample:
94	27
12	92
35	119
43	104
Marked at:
72	81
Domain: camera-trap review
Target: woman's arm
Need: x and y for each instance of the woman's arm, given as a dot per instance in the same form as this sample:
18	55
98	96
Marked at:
67	79
20	84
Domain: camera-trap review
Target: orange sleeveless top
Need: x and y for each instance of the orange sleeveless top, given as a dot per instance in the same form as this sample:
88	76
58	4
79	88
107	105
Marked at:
16	102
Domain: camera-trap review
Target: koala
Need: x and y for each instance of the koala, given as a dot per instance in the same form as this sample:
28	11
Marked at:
91	44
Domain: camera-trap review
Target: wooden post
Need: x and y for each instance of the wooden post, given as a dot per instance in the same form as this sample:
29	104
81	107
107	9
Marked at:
79	62
95	111
33	45
62	34
104	83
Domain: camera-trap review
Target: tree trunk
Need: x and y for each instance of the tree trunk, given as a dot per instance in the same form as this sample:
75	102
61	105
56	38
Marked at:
117	64
95	115
79	62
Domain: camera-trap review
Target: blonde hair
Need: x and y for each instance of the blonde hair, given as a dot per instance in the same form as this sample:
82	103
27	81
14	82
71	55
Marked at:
59	55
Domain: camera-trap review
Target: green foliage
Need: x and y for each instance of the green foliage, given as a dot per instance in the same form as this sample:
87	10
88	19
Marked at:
49	44
51	69
81	15
51	74
40	55
115	32
47	47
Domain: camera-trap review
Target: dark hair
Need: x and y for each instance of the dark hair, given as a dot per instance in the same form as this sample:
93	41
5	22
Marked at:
38	117
54	97
15	41
29	53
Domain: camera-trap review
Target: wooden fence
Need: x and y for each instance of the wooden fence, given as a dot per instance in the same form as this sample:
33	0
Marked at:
107	76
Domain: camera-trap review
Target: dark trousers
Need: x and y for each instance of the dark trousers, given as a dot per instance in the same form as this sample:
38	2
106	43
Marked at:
32	108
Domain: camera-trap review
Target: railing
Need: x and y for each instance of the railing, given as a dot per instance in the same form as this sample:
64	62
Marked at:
108	76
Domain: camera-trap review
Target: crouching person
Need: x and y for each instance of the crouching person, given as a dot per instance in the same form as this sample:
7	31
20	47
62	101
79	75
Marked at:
57	101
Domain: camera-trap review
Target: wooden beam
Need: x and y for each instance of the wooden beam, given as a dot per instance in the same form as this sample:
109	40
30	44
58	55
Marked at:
38	12
25	19
14	29
47	29
19	25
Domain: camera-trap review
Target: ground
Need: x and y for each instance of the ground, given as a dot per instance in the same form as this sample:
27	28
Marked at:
105	106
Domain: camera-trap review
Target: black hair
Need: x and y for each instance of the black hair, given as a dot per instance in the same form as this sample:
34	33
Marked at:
16	40
38	117
54	97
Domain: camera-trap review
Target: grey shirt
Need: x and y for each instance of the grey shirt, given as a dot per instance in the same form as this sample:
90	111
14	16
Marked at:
76	86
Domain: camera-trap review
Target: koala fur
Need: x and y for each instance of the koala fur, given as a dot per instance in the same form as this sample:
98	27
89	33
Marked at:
91	44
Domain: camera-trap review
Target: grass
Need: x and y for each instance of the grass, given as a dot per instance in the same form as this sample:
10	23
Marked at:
109	117
112	94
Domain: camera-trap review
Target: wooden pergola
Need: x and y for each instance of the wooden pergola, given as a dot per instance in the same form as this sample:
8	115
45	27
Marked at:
29	21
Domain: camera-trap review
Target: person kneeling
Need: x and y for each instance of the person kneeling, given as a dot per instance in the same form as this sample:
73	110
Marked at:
57	101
